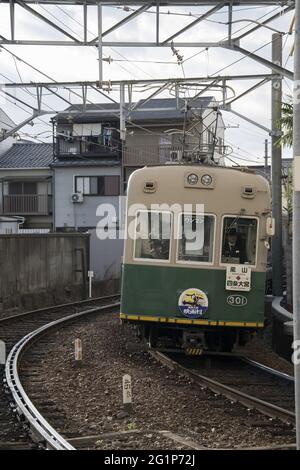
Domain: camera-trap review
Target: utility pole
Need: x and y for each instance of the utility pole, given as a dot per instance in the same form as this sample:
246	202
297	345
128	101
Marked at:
296	216
276	168
266	158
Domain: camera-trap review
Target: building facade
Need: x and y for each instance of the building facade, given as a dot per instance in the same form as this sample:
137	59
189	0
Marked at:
26	184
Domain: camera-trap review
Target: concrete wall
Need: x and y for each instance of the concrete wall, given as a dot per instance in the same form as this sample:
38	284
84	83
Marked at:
37	263
106	257
70	215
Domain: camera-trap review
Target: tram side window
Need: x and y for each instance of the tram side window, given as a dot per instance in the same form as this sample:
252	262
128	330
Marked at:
196	238
153	234
239	240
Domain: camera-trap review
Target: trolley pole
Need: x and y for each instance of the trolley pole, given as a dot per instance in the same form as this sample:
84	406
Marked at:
296	217
276	169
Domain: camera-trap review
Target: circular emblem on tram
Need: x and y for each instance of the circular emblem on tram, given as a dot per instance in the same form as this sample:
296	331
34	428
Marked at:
193	303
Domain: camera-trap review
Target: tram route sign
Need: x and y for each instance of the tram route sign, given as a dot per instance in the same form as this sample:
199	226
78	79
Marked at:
238	278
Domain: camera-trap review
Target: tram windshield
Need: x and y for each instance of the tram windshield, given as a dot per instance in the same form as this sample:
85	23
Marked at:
152	235
239	240
196	238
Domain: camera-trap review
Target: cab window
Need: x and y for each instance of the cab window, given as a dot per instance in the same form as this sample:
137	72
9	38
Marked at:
239	240
196	238
153	235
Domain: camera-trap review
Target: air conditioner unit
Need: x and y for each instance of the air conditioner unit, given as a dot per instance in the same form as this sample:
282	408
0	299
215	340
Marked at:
77	198
175	155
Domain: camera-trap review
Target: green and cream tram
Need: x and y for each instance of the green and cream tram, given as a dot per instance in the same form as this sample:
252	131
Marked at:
195	256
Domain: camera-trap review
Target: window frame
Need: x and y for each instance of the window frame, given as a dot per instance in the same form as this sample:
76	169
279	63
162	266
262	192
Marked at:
154	260
97	176
257	238
201	263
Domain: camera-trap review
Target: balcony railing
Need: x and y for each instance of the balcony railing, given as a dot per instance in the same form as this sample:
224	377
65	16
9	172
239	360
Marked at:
159	154
88	146
27	204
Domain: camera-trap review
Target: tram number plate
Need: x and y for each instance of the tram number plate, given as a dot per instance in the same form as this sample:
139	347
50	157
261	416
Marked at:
238	278
236	300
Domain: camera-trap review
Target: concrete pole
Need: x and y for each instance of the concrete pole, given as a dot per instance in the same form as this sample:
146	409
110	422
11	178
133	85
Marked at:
296	216
276	169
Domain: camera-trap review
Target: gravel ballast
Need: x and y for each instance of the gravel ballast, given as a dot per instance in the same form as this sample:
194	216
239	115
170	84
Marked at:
90	397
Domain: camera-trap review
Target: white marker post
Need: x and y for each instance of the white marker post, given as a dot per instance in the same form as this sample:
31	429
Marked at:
2	353
90	276
78	352
127	392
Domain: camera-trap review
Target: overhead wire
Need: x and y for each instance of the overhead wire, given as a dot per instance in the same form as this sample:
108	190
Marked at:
153	12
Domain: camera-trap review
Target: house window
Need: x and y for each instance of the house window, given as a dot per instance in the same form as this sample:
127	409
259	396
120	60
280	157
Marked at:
98	185
19	187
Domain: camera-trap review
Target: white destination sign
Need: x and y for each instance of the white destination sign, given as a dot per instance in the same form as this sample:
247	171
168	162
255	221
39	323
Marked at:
238	277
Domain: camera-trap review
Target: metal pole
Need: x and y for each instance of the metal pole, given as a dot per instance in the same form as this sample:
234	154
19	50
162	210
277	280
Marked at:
122	135
266	158
276	169
122	112
296	216
100	51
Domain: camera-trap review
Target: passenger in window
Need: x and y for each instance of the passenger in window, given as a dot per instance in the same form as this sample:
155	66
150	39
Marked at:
234	246
159	249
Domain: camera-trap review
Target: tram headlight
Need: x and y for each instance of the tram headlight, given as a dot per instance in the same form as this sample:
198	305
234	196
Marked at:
206	180
192	179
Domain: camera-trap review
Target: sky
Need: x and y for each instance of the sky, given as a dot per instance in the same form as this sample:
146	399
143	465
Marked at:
245	141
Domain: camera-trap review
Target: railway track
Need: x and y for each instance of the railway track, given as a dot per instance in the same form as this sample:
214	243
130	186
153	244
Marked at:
18	332
239	379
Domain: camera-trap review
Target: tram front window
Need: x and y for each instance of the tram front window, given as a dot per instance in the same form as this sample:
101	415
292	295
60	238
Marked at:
153	234
239	240
196	238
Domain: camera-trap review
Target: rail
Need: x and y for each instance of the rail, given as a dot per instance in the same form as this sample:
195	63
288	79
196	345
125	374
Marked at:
40	428
234	394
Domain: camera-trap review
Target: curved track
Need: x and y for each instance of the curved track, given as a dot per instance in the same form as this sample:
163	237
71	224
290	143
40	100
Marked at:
18	332
240	379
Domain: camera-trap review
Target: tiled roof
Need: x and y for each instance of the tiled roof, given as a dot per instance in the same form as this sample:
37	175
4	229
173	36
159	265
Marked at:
154	109
80	162
27	155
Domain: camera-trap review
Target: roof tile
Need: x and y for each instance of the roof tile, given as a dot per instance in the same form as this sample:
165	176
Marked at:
27	155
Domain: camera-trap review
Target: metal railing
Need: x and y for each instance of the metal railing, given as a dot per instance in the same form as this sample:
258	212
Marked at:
139	155
87	145
29	204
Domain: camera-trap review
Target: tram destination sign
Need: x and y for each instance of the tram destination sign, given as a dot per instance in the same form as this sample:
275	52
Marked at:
238	278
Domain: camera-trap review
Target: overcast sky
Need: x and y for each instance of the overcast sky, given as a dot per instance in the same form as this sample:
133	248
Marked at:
80	63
